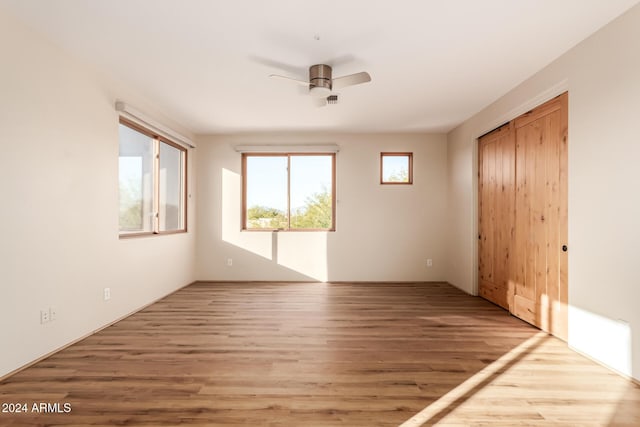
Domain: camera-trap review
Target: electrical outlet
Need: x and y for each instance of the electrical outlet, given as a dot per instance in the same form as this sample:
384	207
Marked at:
107	294
53	313
229	262
429	262
44	316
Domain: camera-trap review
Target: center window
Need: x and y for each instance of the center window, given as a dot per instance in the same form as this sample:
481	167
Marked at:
288	191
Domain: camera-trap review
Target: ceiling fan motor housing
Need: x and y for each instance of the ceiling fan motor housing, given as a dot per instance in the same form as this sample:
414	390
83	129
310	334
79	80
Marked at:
320	76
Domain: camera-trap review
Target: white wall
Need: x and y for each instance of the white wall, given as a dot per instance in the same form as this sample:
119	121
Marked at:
59	213
383	233
602	76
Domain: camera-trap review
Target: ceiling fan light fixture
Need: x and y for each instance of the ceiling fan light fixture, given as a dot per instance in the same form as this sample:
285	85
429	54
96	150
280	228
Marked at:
319	91
321	82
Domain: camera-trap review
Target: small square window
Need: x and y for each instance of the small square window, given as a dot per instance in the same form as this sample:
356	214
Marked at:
396	168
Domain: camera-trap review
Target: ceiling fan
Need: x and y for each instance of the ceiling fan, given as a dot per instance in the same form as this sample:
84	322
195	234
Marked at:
321	83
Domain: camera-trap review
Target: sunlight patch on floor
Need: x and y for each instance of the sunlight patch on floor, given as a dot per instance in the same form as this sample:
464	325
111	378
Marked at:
522	385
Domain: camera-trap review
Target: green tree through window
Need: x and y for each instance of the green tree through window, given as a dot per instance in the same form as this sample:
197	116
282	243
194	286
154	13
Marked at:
288	191
396	168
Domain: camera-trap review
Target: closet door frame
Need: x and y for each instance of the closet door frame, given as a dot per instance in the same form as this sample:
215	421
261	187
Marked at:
559	102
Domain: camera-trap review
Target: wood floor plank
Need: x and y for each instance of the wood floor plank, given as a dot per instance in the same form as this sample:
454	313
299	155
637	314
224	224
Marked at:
315	354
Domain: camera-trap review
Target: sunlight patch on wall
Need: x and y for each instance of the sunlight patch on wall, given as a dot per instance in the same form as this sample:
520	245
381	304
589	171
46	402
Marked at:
604	339
254	242
304	252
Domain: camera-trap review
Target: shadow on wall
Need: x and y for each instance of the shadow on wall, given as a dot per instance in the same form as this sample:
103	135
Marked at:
302	253
391	252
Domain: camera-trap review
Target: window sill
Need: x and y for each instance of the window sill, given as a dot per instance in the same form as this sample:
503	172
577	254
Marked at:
149	234
280	230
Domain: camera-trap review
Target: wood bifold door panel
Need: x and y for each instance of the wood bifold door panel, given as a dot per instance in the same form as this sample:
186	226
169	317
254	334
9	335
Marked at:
497	155
523	216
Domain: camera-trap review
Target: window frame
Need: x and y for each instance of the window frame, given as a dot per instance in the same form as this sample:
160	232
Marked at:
409	155
288	155
157	140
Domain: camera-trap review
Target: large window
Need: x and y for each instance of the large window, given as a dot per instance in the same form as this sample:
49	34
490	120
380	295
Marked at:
152	183
288	191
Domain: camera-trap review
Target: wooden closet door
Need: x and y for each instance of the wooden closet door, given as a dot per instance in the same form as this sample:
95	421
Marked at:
496	152
540	291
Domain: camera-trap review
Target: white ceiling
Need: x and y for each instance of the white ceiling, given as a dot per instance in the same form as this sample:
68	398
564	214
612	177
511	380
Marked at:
205	63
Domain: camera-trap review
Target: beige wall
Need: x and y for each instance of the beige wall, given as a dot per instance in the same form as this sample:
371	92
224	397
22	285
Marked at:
602	76
384	233
59	212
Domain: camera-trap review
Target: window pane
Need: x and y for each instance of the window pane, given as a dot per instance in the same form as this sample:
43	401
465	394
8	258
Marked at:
311	191
266	198
395	168
171	200
135	181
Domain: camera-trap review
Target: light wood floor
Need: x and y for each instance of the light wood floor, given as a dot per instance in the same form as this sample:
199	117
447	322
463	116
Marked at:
322	355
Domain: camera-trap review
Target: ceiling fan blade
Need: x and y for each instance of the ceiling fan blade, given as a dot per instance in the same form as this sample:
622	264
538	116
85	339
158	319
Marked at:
301	82
282	67
350	80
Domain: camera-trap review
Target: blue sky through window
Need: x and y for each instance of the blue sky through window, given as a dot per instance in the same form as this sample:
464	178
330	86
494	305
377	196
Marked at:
267	180
394	166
